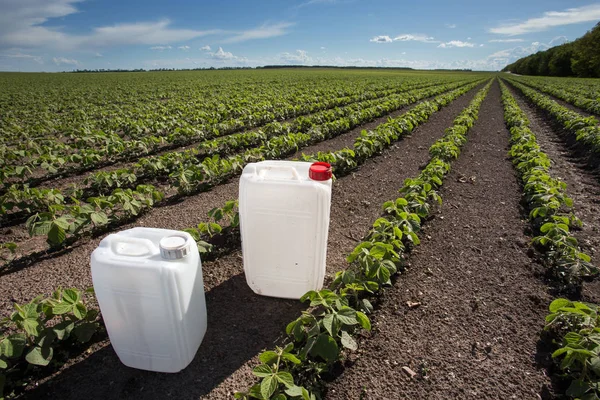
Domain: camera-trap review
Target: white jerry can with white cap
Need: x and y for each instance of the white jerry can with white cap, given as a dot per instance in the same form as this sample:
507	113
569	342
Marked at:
284	211
149	286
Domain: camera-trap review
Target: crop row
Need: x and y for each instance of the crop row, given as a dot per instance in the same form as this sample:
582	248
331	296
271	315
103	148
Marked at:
564	92
550	209
132	108
317	338
585	129
572	328
96	148
45	328
156	121
65	223
187	170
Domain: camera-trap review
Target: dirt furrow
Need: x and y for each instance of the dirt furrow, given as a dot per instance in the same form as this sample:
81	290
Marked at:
564	103
583	184
474	334
238	331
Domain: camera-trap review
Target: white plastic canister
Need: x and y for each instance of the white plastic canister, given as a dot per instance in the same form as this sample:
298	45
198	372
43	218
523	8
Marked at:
284	220
149	286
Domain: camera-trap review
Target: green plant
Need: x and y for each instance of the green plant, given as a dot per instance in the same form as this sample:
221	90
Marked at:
575	329
33	332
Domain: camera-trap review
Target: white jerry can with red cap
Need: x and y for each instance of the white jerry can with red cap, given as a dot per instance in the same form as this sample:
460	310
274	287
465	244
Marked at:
149	286
284	221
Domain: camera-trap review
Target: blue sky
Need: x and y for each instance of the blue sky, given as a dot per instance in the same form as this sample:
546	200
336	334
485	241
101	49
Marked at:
58	35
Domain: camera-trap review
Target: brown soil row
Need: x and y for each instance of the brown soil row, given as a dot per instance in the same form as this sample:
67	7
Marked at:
570	164
564	103
240	322
482	304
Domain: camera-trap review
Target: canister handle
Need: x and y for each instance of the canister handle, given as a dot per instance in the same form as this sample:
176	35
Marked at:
264	171
145	246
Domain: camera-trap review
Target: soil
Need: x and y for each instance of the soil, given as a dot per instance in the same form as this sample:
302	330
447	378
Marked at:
482	304
229	350
564	103
570	164
481	301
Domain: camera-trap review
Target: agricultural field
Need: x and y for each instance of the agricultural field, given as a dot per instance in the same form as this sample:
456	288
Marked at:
464	231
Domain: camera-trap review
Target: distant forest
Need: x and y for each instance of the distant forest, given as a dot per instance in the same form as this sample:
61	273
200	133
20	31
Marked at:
580	58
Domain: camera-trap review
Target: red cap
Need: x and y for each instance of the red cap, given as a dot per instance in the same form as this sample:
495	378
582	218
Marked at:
320	171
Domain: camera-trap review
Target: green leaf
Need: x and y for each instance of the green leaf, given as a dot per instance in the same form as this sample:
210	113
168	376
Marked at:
378	251
268	386
3	364
62	223
31	326
80	311
56	235
557	304
286	378
62	308
268	357
99	218
294	391
262	370
348	342
63	329
326	348
292	358
13	345
595	365
71	296
347	315
85	331
363	320
40	355
328	324
578	388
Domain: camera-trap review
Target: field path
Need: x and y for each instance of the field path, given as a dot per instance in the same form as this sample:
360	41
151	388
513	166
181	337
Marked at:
241	324
482	304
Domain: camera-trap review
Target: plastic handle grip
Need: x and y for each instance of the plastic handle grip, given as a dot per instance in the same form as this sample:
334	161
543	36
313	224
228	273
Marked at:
133	247
264	173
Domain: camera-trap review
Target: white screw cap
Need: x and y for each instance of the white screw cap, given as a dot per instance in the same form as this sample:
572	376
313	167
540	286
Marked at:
174	247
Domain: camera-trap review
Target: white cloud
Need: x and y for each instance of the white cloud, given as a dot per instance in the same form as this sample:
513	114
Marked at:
22	25
160	48
502	58
456	43
506	40
226	56
67	61
469	38
222	55
323	48
381	39
37	59
590	13
298	57
205	48
415	37
451	26
98	55
558	41
481	45
184	48
265	31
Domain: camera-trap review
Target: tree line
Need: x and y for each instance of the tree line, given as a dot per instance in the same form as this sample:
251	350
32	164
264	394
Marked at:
580	58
